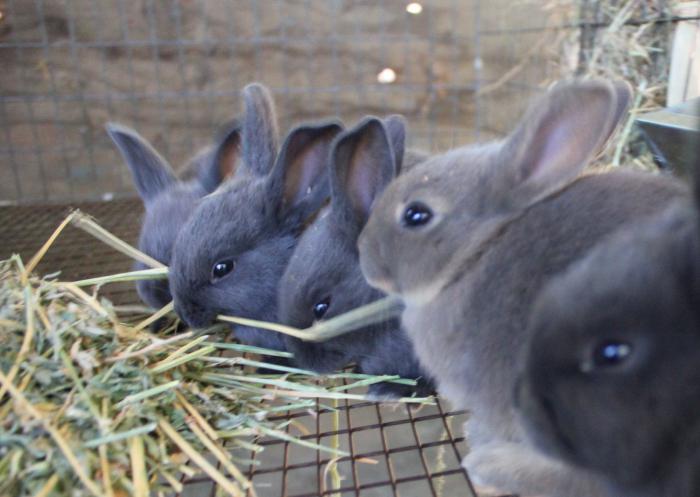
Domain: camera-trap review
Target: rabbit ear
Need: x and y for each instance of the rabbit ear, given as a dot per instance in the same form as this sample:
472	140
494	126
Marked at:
623	96
362	165
396	131
558	137
260	133
222	160
298	182
151	172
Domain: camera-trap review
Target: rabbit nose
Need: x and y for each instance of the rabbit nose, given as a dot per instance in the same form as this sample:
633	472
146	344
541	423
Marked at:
194	315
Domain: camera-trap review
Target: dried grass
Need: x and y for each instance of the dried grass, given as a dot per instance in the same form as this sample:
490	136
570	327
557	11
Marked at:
624	39
93	403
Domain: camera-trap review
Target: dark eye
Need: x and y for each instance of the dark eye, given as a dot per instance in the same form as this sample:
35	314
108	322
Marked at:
417	214
611	353
222	268
320	308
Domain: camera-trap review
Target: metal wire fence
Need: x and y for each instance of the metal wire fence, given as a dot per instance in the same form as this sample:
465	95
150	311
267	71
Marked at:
173	70
459	70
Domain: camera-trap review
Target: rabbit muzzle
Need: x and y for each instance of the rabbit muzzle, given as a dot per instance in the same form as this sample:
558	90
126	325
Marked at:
155	293
193	314
373	265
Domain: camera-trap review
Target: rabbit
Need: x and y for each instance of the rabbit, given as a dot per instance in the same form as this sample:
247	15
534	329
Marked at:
611	381
323	278
467	239
230	255
168	199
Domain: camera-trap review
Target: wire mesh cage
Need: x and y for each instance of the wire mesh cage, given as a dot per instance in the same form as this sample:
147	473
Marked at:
174	70
461	71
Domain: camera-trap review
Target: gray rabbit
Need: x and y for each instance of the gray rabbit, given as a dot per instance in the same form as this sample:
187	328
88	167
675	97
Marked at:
612	380
230	256
169	199
468	238
323	278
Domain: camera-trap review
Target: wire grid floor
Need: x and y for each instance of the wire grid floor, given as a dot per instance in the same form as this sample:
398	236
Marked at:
395	450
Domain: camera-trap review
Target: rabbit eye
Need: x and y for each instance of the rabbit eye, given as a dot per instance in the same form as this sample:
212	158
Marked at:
611	353
417	214
222	268
320	308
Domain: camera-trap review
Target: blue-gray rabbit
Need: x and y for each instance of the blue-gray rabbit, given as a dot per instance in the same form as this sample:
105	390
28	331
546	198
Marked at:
323	278
230	256
469	237
612	381
169	199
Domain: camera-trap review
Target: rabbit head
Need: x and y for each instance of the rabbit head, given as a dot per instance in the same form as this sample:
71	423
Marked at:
232	252
169	200
611	381
467	240
323	278
462	198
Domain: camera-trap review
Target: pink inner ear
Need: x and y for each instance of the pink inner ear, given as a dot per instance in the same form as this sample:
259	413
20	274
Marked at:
364	188
304	172
555	142
362	180
229	160
564	148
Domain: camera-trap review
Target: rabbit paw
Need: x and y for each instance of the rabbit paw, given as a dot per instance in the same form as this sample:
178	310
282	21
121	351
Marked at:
491	492
424	388
388	391
393	391
487	472
511	466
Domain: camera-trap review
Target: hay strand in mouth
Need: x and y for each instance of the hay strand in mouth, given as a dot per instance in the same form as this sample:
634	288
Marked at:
376	312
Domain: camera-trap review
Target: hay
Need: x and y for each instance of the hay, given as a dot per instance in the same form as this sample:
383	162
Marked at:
93	403
627	40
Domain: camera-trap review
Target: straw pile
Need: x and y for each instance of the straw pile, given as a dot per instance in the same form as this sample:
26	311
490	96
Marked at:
93	403
628	40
